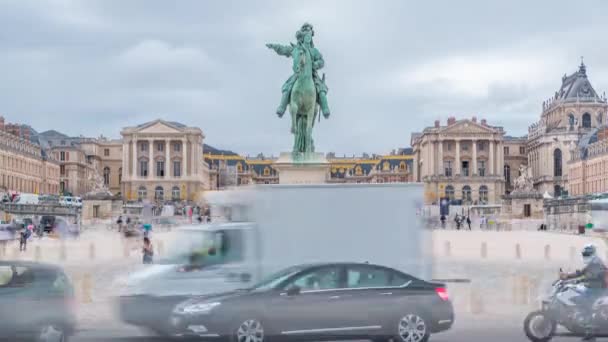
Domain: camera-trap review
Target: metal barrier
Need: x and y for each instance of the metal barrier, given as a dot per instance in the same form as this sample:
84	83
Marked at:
39	209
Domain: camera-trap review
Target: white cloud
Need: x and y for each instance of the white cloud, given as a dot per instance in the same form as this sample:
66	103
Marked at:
155	54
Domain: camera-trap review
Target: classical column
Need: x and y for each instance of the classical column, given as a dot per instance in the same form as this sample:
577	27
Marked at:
432	157
491	159
151	165
416	161
474	170
440	159
167	158
134	161
457	161
501	159
184	157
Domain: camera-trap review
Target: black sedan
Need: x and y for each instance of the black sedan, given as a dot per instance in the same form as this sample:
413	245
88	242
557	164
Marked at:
321	302
36	302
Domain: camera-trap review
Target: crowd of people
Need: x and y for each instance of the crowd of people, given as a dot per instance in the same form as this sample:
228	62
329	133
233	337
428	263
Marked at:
466	222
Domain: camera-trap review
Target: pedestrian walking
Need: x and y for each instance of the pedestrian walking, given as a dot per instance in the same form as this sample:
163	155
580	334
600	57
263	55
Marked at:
458	221
147	227
469	222
482	221
23	240
442	219
148	251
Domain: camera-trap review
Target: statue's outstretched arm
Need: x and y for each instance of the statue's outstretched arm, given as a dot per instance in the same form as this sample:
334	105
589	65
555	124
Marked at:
283	50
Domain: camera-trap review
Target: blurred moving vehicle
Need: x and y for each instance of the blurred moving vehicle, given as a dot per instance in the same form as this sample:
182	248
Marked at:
48	199
47	223
36	302
322	302
263	229
24	198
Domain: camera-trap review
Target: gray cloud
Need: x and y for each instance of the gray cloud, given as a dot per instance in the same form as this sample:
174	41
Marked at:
393	67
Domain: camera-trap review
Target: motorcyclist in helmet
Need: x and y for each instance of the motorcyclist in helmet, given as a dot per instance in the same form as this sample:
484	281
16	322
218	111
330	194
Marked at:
592	276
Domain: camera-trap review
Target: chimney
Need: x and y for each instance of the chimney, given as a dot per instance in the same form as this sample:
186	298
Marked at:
437	123
451	120
1	123
484	122
474	119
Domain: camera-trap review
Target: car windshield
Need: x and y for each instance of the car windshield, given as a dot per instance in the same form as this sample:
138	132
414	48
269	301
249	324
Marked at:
201	248
275	279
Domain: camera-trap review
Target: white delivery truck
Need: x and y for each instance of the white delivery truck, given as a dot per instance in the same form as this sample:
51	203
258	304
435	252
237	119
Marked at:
259	230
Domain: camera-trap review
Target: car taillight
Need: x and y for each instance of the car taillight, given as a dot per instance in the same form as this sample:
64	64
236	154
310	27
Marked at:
442	293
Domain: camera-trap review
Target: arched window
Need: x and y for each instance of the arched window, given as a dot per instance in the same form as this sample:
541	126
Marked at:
239	168
402	166
449	192
557	162
483	194
159	193
358	170
106	175
586	120
266	171
142	193
175	193
507	170
571	120
466	194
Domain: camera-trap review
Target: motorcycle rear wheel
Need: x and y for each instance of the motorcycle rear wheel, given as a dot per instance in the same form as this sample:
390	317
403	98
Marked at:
538	327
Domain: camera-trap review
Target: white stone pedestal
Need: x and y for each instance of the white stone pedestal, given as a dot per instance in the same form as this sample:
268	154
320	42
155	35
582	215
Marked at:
310	168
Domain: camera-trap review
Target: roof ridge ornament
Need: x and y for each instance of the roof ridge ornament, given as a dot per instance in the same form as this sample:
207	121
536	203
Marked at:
582	69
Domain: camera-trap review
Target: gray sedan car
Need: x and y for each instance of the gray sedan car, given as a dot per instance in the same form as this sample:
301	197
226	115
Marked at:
330	301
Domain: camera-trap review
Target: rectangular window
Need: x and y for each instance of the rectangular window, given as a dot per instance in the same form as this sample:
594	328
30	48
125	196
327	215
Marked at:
177	169
160	169
465	168
62	156
106	152
143	168
449	146
159	147
506	150
177	147
143	146
465	146
447	165
522	150
481	146
62	170
481	168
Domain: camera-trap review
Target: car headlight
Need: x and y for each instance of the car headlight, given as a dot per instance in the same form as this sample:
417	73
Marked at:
202	308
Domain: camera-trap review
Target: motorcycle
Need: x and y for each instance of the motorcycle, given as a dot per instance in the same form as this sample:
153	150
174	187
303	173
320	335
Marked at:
559	308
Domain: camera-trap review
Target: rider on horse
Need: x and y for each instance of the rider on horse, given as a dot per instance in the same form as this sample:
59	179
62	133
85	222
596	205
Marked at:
304	38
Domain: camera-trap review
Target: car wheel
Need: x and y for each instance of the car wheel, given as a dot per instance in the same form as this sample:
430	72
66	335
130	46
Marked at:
52	333
250	330
412	328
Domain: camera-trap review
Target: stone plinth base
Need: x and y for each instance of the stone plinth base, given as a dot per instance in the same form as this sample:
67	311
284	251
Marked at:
300	168
523	205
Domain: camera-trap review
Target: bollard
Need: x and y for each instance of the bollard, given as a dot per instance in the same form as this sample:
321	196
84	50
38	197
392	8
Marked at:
86	289
160	247
37	253
448	249
476	301
524	290
2	249
92	251
484	250
572	253
547	252
63	255
517	251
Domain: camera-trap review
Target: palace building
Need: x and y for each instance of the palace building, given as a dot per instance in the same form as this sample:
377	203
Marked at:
462	160
24	165
571	113
163	160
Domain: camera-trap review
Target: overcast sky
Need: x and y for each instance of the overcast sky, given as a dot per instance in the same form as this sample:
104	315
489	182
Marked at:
393	67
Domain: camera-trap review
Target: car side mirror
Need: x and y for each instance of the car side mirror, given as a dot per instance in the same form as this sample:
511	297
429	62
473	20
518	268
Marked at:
294	290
